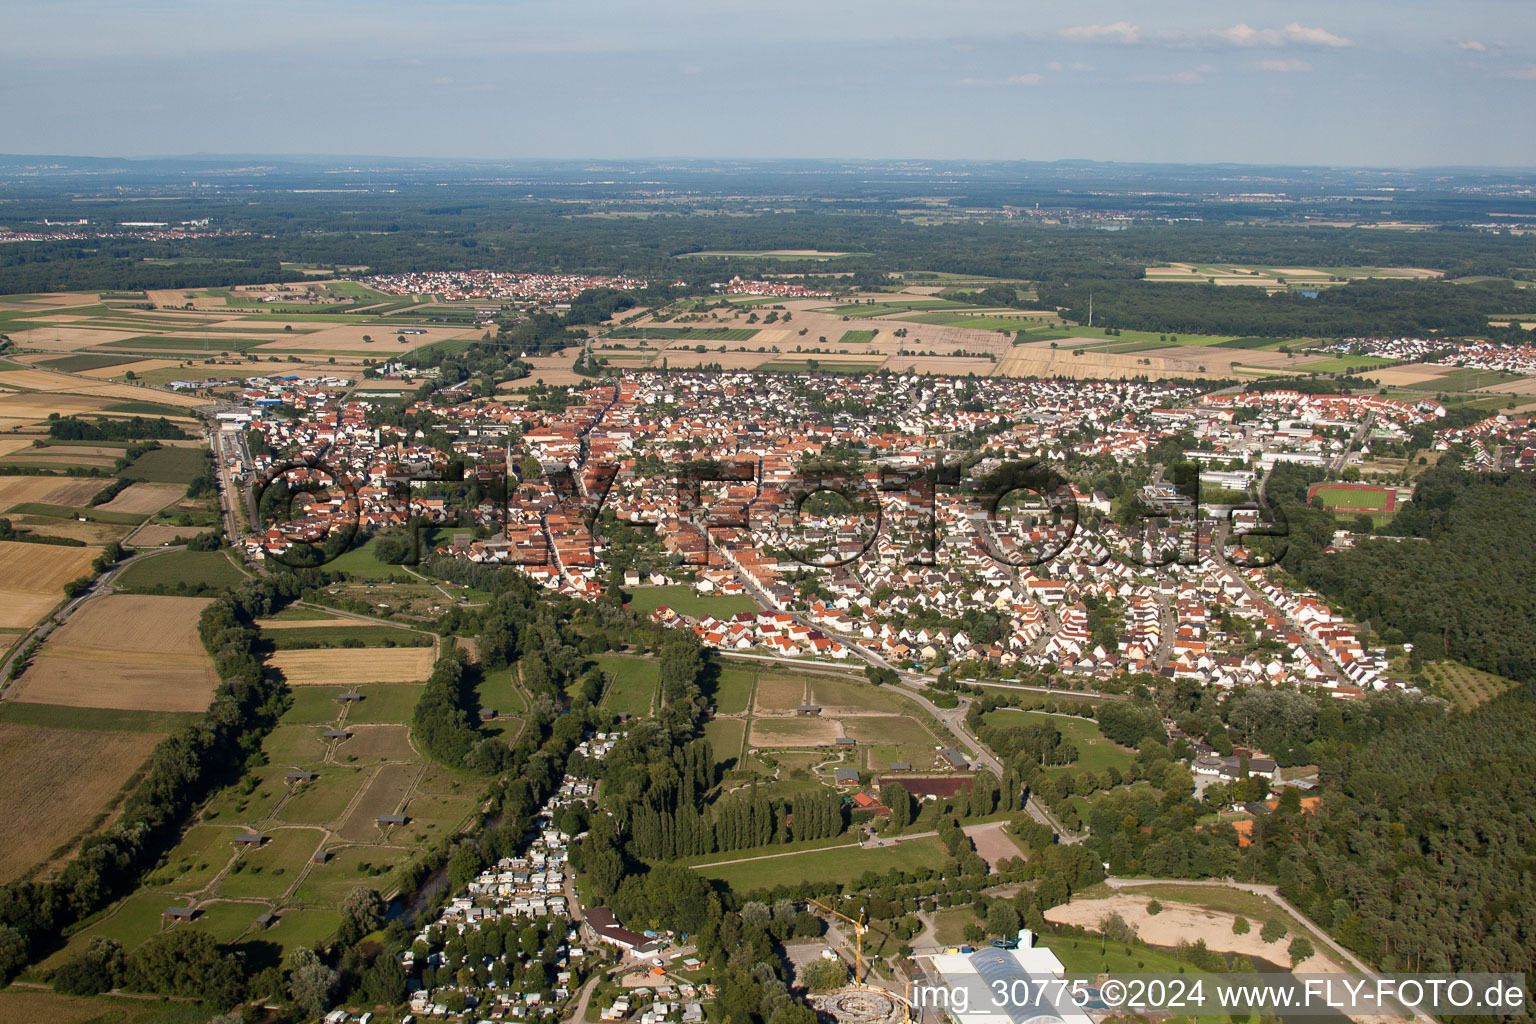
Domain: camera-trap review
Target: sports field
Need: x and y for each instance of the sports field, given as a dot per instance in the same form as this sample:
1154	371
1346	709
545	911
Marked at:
1354	496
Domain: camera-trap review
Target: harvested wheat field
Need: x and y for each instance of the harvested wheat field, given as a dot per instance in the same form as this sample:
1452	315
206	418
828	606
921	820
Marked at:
956	366
144	497
32	578
333	667
140	367
67	339
34	407
152	535
349	338
74	529
14	444
59	783
1038	359
49	489
128	651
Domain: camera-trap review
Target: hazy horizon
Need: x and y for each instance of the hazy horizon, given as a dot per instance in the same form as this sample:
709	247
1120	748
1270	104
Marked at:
1375	83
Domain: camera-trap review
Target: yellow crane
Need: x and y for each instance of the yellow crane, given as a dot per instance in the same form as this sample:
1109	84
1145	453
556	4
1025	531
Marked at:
859	928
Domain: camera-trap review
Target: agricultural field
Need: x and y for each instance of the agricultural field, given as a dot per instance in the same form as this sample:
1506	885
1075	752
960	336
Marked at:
61	783
176	570
733	690
28	1006
123	651
32	578
685	334
344	668
375	771
50	490
857	337
166	465
144	498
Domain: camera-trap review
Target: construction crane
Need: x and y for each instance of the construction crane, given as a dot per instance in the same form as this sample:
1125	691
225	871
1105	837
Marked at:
859	928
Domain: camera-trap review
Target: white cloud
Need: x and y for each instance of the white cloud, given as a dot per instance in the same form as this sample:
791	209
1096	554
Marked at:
1126	34
1470	44
1193	76
1028	78
690	69
1527	73
1292	35
444	80
1118	32
1284	64
1076	65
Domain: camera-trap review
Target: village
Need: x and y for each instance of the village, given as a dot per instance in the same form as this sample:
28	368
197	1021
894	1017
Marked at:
826	586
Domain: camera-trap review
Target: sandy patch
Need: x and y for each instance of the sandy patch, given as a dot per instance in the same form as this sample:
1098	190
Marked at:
1178	923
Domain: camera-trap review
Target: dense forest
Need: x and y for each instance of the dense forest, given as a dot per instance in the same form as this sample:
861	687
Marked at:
1456	577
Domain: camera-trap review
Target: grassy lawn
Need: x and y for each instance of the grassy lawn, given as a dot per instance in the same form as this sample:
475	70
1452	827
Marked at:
733	691
92	515
348	634
1094	752
361	563
166	466
328	884
171	570
323	800
385	703
306	928
724	736
146	409
94	719
1346	364
684	601
269	872
633	685
497	690
840	866
84	361
949	925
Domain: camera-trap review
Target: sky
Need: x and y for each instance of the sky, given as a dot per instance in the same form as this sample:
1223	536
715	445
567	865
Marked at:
1359	83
